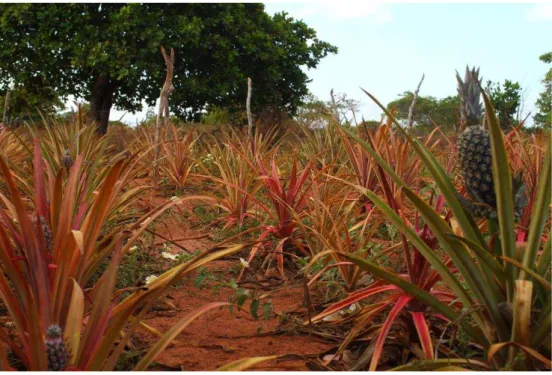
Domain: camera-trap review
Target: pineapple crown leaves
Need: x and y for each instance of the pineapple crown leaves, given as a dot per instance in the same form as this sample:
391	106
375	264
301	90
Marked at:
53	332
471	106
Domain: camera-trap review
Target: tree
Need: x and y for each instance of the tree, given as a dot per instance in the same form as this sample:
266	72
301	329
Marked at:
108	54
506	100
313	113
429	111
343	108
544	103
28	103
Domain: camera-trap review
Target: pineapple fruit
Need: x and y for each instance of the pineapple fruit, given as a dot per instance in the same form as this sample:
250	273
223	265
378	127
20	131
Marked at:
474	146
475	155
46	231
56	350
67	160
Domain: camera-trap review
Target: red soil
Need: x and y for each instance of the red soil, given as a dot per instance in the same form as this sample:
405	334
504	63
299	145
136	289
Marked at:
220	337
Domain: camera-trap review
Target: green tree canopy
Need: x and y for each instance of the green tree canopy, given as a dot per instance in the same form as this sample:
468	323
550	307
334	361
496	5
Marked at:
544	103
428	111
108	54
29	103
506	100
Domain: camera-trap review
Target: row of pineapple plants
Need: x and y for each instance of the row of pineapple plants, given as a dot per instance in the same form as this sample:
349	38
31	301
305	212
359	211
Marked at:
66	210
496	280
319	218
475	246
323	199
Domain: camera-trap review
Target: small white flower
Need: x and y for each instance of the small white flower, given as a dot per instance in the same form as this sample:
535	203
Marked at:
332	317
244	263
337	315
150	278
170	256
174	197
133	249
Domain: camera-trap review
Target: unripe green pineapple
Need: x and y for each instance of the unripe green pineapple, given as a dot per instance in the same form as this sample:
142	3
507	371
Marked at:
474	145
56	350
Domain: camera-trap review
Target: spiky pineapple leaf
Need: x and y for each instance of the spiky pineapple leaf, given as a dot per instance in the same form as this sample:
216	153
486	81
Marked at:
539	216
503	190
438	364
419	294
172	333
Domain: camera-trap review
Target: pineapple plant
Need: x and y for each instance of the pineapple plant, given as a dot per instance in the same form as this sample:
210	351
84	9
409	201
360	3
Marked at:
475	161
474	145
502	282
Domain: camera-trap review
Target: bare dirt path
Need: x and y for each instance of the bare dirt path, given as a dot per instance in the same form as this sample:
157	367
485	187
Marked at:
220	336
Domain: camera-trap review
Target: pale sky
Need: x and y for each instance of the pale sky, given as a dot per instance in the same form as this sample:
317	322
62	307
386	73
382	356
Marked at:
385	48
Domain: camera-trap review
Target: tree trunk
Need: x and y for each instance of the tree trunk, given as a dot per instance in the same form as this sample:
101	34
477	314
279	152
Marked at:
101	101
248	108
163	115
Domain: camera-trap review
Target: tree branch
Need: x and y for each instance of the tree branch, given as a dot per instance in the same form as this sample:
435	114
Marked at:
6	107
248	106
411	110
163	114
335	110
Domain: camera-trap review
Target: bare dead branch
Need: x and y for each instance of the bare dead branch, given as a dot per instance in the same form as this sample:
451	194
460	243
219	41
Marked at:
248	106
6	107
163	114
411	109
334	105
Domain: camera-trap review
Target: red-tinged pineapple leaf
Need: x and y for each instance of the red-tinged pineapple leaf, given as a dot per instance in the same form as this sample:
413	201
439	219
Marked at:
378	349
280	258
67	206
73	324
39	271
100	312
255	248
352	298
172	333
56	196
246	363
20	354
442	365
66	263
423	333
495	348
325	269
293	181
17	279
39	187
94	220
146	298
